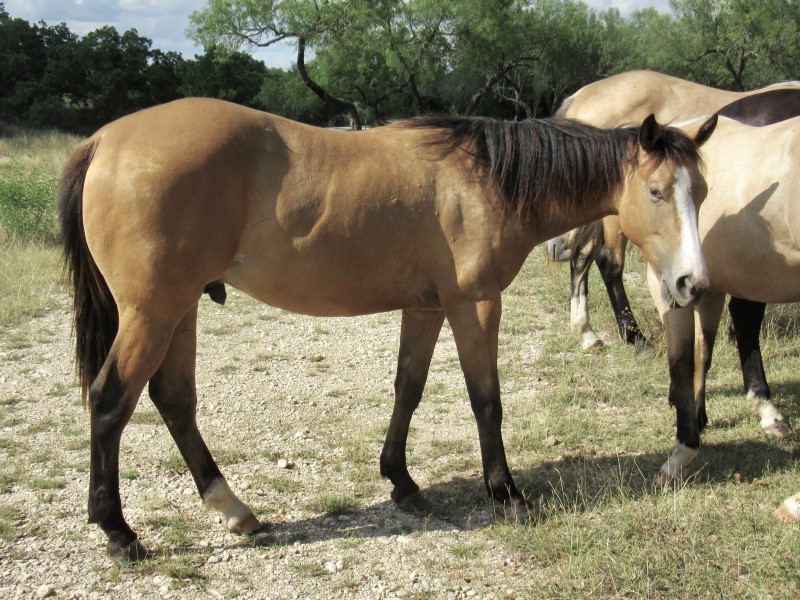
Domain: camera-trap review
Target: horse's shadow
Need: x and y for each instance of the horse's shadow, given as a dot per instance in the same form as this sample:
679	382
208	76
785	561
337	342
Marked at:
568	485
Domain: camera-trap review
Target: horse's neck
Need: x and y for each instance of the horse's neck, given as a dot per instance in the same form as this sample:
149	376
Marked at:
558	222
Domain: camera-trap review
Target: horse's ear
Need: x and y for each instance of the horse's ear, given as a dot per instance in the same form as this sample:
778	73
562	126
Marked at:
701	137
650	133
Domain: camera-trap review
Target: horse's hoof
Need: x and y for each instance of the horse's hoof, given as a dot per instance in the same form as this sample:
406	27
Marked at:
415	503
778	428
789	510
518	512
133	552
592	347
246	526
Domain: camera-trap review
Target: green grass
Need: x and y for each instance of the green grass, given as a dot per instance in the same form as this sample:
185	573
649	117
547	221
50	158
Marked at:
334	504
30	265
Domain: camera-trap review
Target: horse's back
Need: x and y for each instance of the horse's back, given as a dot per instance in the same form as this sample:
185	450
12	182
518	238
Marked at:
628	98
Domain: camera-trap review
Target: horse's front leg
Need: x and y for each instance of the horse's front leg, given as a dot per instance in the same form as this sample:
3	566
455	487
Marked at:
746	319
679	326
707	316
419	331
475	329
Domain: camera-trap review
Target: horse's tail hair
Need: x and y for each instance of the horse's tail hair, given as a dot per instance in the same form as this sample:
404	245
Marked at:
95	317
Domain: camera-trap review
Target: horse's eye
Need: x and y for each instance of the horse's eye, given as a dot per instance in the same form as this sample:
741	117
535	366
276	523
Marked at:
656	195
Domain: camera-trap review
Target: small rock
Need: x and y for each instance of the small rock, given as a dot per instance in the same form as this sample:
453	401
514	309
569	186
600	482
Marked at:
45	591
789	510
330	567
284	464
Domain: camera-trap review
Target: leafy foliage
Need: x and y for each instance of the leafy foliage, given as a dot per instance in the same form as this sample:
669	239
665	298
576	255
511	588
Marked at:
375	60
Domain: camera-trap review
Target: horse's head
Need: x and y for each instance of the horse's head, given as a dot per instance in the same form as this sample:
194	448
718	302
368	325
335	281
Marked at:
658	208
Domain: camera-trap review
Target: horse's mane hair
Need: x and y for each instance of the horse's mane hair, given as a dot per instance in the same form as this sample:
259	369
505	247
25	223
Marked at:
540	164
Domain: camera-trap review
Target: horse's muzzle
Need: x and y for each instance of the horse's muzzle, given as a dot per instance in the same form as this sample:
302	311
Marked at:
687	290
558	250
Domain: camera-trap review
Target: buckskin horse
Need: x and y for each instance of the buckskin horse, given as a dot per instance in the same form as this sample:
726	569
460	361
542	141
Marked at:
611	102
432	216
750	232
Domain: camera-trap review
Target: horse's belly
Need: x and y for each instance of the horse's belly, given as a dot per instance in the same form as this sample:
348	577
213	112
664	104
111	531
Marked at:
326	290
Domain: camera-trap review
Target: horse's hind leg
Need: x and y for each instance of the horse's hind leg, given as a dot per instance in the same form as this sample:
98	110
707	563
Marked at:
173	391
746	320
140	344
419	331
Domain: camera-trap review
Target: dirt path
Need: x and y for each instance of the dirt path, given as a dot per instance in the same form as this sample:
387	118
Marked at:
316	393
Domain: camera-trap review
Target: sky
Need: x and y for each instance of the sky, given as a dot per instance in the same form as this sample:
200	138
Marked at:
165	21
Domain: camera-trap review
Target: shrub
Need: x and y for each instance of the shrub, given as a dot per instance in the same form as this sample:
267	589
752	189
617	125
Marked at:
27	204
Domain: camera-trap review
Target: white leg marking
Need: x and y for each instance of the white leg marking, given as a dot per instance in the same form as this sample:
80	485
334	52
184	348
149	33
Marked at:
236	514
772	421
681	456
579	323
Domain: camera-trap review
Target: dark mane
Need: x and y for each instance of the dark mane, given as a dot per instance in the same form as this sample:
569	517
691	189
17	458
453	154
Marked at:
538	164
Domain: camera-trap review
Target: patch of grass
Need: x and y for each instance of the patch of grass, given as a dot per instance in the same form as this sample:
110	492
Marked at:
129	474
9	521
30	275
285	485
11	401
309	569
48	483
334	504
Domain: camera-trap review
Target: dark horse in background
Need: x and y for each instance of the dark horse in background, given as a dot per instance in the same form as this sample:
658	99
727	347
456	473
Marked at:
605	243
433	217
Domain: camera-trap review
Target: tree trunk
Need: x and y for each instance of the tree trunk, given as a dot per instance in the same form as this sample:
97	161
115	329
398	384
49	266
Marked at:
337	104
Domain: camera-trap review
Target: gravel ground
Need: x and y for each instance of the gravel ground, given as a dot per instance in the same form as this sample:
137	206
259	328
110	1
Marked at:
294	409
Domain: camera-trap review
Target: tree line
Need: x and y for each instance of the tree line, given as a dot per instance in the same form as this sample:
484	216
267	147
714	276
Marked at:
366	61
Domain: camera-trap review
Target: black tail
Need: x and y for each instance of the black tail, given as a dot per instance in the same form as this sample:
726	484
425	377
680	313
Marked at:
95	316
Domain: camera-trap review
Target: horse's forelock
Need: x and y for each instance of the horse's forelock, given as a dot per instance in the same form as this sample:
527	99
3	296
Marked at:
674	146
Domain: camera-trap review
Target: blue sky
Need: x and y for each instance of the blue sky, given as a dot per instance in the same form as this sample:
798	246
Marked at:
165	21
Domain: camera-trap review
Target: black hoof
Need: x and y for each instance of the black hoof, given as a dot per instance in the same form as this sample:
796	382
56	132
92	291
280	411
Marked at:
415	503
518	511
133	552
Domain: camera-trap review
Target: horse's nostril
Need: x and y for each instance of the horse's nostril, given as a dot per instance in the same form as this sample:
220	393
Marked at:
685	286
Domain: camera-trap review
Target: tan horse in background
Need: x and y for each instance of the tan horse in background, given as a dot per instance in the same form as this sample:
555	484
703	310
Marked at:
433	217
615	102
750	232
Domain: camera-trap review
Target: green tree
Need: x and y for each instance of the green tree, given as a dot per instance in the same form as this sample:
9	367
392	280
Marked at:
738	44
262	23
225	74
